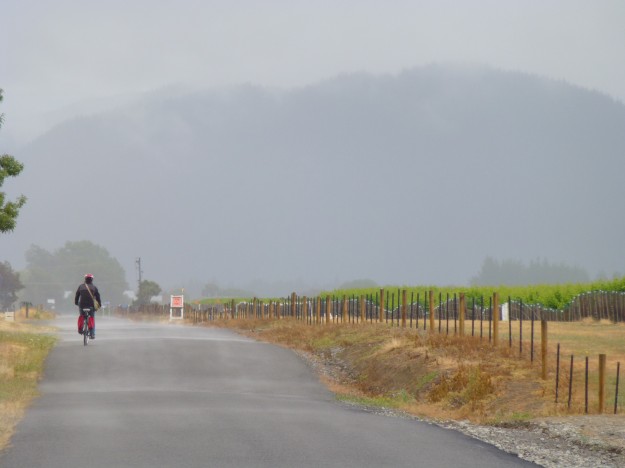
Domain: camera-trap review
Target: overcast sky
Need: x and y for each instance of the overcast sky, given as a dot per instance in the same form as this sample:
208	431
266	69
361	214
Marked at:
59	54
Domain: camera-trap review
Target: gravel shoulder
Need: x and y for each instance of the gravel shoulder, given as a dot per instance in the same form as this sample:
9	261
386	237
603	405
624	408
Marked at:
572	441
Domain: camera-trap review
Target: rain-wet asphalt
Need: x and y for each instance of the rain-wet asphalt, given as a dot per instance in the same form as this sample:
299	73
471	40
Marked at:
161	395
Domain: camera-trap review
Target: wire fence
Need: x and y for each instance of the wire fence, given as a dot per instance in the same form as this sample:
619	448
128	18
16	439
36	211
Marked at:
387	307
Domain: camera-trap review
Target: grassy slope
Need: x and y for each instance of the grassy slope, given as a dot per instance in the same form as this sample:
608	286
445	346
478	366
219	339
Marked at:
23	350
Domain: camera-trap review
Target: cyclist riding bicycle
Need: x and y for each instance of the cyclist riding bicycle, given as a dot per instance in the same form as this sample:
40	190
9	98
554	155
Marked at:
87	297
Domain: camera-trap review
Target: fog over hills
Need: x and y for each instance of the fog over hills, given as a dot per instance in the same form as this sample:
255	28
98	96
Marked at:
410	178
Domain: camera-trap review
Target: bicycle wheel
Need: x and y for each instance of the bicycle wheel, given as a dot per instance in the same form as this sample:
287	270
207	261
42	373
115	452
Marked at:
85	332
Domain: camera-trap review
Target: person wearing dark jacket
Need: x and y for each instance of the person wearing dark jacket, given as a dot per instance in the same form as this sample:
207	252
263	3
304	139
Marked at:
86	295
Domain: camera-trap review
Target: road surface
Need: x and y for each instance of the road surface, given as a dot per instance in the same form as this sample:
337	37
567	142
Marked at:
159	395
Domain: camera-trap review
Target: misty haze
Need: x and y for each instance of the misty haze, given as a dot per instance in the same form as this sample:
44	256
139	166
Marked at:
404	177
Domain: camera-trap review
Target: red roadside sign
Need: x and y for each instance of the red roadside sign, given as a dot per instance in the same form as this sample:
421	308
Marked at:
177	302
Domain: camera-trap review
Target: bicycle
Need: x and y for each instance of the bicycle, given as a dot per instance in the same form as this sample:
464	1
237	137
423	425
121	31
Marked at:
85	326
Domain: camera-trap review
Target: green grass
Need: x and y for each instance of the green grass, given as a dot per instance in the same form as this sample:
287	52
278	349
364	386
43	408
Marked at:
395	400
427	379
324	342
377	402
521	416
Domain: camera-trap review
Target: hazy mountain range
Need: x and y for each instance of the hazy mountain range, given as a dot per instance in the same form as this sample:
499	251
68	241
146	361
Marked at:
410	178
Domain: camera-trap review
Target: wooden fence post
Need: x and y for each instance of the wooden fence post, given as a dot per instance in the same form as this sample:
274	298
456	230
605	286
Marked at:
495	313
363	317
304	312
328	302
462	312
293	299
602	359
431	306
543	348
618	372
403	308
381	308
318	311
345	310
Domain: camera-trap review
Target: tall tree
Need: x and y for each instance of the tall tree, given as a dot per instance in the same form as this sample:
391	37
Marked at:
56	275
9	167
147	290
9	285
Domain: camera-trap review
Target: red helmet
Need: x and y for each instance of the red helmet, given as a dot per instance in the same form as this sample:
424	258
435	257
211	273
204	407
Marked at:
89	275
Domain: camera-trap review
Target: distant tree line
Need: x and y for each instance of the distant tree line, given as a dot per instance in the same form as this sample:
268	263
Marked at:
214	290
56	275
515	272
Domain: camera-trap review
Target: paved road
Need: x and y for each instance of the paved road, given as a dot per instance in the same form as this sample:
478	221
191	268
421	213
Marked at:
148	395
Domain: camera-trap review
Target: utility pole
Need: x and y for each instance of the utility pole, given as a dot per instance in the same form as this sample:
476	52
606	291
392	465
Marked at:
139	270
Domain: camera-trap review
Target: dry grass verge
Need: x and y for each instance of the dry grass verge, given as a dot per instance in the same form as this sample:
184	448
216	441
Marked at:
23	349
432	375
